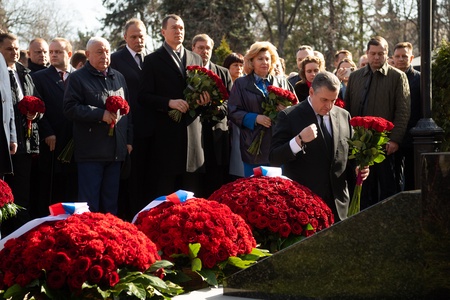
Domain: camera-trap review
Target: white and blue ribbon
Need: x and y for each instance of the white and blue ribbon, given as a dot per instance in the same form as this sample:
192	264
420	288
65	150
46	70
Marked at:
179	196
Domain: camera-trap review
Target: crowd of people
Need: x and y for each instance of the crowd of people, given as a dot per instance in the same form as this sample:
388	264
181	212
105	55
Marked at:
150	155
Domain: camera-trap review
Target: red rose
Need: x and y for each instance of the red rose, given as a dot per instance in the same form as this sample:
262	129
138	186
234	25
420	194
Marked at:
95	274
112	278
82	264
56	279
285	230
160	273
209	260
76	280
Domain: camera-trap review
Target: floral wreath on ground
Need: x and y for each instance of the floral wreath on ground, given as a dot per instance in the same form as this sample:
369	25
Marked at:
7	206
86	256
202	236
279	211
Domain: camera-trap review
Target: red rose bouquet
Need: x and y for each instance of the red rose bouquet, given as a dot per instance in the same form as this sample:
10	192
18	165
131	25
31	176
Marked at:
366	146
276	97
7	206
117	105
198	81
200	234
279	211
339	103
31	105
86	256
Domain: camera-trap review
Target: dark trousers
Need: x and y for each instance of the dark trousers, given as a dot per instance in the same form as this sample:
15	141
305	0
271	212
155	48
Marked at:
404	165
380	184
98	185
58	182
142	180
20	183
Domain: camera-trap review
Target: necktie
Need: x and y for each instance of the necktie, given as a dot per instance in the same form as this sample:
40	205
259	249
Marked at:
138	58
326	134
15	87
61	74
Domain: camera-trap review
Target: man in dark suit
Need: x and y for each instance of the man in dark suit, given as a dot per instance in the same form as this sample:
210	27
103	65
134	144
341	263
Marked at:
37	55
58	181
310	140
215	134
128	61
27	146
178	158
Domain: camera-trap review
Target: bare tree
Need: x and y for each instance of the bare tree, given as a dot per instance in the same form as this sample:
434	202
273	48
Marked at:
280	20
22	18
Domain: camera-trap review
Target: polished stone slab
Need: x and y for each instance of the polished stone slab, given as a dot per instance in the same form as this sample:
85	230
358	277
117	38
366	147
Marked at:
397	249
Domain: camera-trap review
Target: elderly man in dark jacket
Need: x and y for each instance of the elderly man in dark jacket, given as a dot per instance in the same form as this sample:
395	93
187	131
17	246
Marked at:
98	154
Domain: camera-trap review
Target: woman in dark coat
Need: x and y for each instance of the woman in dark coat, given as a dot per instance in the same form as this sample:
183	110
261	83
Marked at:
245	102
310	66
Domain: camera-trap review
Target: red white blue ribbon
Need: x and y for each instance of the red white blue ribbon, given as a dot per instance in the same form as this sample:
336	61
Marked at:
59	211
267	171
68	208
179	196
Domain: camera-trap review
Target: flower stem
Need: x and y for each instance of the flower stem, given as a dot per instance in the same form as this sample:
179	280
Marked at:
355	204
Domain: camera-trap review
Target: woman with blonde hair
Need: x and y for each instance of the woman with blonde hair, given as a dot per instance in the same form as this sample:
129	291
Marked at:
309	68
246	98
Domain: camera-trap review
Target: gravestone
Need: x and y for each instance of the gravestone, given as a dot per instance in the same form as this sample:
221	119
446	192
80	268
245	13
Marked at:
396	249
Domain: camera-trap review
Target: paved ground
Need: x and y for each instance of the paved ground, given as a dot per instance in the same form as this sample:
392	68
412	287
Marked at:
208	294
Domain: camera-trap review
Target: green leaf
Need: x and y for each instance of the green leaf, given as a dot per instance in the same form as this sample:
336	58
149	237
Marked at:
196	264
292	240
14	291
237	262
379	158
159	264
383	140
309	227
131	289
157	282
209	276
192	113
193	250
358	144
255	256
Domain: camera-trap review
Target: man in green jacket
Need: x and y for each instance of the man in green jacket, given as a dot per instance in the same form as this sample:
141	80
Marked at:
380	90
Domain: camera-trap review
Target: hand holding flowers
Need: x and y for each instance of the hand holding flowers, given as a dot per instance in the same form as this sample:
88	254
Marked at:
277	100
116	105
30	106
204	89
367	148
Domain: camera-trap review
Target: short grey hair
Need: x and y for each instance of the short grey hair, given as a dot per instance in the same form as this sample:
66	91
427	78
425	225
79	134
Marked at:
326	79
97	39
